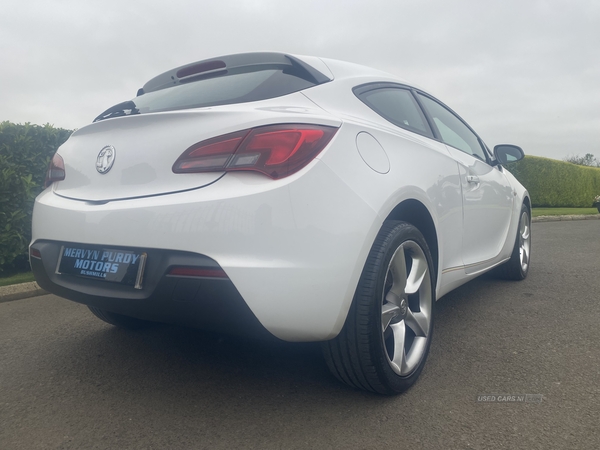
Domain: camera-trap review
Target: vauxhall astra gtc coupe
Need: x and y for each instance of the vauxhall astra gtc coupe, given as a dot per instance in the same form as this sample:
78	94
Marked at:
269	194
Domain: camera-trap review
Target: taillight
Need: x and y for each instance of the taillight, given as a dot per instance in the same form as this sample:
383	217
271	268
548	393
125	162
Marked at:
276	150
56	170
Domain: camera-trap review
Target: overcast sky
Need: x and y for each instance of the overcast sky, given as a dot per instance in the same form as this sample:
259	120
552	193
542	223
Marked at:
519	71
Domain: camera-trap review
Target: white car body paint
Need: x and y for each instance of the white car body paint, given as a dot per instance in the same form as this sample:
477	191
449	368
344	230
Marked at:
372	153
295	247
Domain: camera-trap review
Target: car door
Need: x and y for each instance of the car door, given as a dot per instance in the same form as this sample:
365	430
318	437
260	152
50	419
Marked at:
486	192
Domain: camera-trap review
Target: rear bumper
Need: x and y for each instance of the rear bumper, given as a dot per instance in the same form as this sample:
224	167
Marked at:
208	303
293	248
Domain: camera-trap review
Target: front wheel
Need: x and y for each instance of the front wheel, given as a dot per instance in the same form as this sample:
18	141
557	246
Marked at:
386	338
517	267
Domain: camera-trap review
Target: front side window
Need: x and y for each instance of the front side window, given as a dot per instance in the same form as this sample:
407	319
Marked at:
452	130
397	106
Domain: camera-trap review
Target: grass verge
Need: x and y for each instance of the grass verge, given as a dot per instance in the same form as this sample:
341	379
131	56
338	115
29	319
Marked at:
563	211
16	279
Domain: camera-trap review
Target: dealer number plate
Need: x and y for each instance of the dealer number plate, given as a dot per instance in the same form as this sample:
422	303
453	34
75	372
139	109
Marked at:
104	264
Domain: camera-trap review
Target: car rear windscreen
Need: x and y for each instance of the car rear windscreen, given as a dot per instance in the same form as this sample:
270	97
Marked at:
241	87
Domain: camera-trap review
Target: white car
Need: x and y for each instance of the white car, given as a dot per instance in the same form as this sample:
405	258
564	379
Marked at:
264	193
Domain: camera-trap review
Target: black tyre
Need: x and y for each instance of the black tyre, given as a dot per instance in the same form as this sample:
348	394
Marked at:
517	267
119	320
386	338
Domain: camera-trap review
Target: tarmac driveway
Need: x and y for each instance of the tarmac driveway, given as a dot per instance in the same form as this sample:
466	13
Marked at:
67	380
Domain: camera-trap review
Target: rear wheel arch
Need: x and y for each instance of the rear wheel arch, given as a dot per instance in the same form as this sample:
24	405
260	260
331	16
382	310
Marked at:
417	214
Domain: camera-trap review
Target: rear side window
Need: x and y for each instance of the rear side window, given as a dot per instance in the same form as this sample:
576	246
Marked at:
397	106
240	87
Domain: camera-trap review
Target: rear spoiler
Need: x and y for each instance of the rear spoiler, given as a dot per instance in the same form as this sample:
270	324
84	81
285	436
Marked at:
242	62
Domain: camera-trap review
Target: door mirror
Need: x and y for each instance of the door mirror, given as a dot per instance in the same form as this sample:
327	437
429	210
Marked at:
507	153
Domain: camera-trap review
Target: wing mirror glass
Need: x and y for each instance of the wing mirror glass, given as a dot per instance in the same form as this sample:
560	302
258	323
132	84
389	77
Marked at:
507	153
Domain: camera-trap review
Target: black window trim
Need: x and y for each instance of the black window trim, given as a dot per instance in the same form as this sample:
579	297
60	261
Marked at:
435	133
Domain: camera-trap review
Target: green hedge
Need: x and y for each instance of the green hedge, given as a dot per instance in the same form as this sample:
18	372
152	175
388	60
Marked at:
553	183
25	151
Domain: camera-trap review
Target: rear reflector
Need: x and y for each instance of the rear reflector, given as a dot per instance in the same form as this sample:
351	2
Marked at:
35	253
56	170
276	150
197	272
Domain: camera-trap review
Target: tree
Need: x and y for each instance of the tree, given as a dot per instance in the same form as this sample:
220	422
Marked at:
587	160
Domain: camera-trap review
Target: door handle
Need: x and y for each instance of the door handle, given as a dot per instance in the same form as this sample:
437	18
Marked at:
472	179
